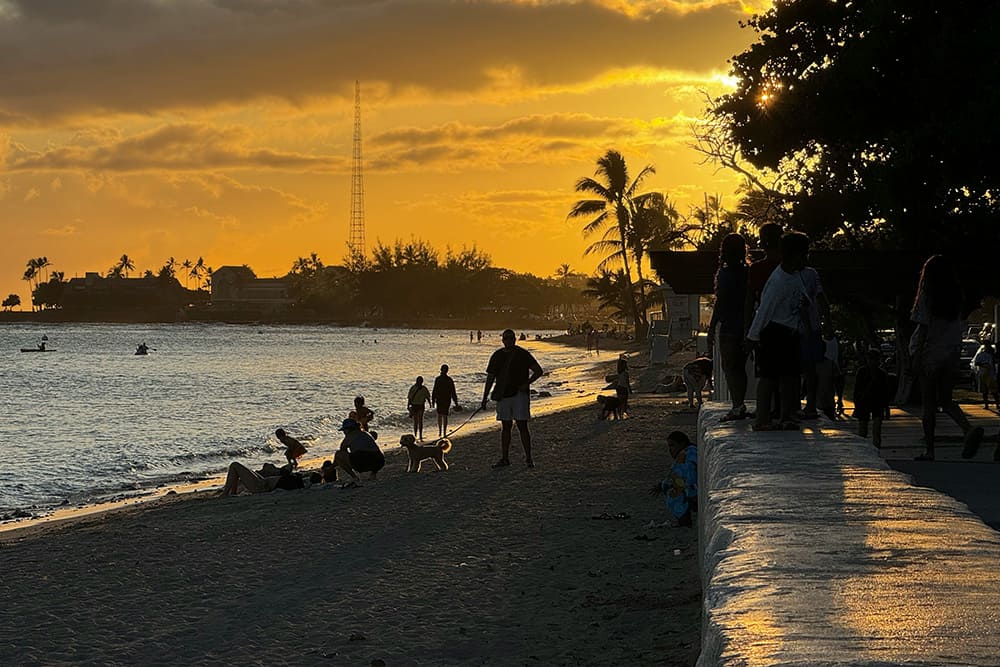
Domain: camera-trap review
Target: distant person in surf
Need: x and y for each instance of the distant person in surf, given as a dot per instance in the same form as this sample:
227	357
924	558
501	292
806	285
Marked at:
442	397
294	450
509	375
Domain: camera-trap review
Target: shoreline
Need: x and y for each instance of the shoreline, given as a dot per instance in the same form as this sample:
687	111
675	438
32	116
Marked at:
590	369
507	562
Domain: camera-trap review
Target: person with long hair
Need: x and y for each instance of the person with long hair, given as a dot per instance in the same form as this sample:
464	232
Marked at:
728	318
935	348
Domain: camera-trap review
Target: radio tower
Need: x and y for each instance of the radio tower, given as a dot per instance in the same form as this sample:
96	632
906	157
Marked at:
356	242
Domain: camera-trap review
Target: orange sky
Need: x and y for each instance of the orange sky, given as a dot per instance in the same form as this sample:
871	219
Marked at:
223	128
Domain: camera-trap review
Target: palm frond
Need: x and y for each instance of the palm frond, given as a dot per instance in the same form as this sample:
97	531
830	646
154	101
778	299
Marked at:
595	187
587	207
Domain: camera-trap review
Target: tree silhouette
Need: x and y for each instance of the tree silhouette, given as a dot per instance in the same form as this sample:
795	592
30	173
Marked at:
125	264
42	263
186	265
612	208
878	115
197	271
12	301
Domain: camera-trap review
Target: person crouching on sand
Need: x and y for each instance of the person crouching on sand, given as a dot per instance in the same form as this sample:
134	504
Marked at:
680	487
294	450
358	451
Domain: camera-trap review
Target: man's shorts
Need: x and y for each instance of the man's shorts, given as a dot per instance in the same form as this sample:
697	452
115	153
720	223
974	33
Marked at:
514	408
367	461
779	353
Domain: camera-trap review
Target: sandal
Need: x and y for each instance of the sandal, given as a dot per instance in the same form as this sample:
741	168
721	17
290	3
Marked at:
501	463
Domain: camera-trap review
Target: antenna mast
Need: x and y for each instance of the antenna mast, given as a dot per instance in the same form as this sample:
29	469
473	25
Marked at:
356	242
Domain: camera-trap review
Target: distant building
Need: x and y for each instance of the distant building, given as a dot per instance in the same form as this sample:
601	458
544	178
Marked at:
94	292
238	289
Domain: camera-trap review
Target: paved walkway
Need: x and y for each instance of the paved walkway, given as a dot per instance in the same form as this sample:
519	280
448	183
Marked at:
975	482
816	553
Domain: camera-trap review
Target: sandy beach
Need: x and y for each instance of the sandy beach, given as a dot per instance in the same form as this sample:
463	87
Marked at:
473	566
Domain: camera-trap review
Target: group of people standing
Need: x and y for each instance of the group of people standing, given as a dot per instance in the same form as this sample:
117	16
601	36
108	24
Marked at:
509	374
776	309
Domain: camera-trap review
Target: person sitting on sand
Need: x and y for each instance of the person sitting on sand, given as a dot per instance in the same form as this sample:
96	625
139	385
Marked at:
358	451
328	471
361	413
680	488
294	450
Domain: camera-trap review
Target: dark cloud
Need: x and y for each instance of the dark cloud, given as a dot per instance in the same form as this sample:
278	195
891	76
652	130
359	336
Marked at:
187	147
61	60
550	125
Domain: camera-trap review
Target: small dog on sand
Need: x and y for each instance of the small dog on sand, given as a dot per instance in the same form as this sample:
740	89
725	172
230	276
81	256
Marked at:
697	376
610	405
419	453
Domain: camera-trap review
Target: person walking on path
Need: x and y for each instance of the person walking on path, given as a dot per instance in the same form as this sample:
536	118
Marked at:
871	396
441	397
774	335
416	400
935	349
509	375
728	318
984	365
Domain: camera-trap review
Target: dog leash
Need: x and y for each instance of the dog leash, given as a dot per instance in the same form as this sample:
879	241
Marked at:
455	430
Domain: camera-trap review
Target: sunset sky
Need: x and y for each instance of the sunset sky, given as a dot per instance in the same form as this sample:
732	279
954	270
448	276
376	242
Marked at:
223	128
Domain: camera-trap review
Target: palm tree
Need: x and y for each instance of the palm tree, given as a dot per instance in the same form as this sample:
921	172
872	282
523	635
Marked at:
42	263
563	273
611	289
186	265
613	208
197	271
125	264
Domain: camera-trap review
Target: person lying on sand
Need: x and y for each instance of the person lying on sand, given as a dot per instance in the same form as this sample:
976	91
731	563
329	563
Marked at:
269	478
680	488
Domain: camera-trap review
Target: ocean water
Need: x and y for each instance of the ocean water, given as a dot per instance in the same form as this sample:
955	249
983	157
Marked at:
91	420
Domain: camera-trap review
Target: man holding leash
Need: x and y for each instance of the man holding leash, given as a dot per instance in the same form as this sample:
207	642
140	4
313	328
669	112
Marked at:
511	369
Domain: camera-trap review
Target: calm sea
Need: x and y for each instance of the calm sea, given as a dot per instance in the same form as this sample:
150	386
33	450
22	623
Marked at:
91	420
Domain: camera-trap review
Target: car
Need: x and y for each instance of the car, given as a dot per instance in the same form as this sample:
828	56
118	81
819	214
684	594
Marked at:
965	374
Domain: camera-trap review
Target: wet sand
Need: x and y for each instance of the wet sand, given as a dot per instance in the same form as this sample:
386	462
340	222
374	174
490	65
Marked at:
472	566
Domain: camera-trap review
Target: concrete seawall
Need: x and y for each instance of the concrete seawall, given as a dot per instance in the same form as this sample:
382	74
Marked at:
814	552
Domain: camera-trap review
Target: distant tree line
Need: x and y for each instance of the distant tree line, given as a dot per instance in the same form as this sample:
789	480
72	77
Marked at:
411	280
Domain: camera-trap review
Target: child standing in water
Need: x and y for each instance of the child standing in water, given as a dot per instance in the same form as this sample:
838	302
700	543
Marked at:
294	450
361	413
